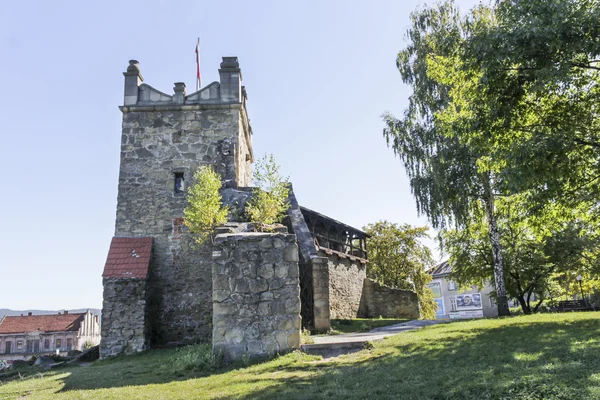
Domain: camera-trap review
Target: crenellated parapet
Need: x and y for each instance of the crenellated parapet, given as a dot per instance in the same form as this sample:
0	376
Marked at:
228	93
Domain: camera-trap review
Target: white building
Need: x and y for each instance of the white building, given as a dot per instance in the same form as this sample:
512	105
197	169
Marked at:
27	335
456	302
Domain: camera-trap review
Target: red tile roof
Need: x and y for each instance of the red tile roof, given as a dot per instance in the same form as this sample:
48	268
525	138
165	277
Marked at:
128	258
42	323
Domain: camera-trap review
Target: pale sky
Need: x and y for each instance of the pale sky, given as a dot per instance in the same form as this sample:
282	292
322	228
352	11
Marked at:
319	74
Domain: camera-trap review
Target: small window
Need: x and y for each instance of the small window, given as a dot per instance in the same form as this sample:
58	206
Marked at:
58	343
69	344
453	304
19	345
46	344
492	304
179	183
451	285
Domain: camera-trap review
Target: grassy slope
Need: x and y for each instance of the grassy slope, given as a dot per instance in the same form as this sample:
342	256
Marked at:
550	356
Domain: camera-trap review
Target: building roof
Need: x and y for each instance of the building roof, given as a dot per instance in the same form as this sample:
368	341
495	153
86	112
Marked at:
349	228
443	268
42	323
128	257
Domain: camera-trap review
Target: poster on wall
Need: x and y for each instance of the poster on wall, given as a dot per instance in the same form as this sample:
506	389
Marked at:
471	301
439	313
435	288
466	314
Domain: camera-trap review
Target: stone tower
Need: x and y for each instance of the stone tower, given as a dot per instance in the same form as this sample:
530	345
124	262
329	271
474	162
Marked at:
165	139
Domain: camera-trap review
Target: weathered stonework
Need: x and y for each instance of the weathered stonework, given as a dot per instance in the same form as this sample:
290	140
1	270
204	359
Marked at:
164	138
124	316
320	284
256	296
383	301
346	279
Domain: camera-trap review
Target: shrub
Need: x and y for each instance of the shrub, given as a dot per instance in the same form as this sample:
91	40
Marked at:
204	211
269	201
88	345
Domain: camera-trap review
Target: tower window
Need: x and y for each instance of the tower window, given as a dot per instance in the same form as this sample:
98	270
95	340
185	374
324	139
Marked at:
179	182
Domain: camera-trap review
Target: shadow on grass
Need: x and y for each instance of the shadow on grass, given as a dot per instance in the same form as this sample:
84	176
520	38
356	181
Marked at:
472	360
547	360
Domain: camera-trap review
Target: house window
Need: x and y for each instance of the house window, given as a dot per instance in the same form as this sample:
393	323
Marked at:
8	347
451	285
453	304
58	343
19	345
492	304
179	182
46	344
69	344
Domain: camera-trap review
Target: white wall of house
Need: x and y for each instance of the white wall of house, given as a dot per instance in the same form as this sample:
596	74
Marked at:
24	345
448	295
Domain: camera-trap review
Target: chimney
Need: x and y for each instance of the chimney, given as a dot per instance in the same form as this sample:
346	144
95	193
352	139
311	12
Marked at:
133	79
29	314
231	80
179	96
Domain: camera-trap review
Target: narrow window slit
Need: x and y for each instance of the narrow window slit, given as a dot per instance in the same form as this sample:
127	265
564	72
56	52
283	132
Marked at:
179	182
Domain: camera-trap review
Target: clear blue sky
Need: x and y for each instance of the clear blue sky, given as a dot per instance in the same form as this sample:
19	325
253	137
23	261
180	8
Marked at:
319	74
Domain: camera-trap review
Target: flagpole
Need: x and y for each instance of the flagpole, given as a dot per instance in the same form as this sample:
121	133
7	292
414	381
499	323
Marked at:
198	76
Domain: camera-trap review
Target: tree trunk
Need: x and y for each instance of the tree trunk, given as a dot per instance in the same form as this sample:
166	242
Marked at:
502	300
524	306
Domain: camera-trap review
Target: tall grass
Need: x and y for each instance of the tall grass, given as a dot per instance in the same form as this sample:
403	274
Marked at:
197	358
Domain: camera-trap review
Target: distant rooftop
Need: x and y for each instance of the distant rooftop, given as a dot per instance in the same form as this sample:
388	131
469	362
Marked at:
443	268
41	323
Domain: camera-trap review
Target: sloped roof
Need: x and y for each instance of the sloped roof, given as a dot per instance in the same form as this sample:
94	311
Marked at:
128	257
42	323
443	268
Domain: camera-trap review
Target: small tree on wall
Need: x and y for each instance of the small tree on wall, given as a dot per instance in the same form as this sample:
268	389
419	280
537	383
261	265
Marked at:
269	198
204	211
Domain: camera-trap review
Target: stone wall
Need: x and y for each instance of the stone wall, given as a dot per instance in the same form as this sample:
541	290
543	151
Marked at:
124	316
164	136
346	279
256	303
383	301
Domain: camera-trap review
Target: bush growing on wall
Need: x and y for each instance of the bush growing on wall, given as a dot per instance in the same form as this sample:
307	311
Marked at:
204	211
269	200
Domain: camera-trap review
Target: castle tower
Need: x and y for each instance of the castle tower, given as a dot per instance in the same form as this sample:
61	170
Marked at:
165	139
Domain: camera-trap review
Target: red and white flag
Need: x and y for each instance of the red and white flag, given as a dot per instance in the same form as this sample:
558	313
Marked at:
198	77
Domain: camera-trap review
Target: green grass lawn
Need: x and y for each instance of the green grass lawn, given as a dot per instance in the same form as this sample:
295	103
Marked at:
339	326
547	356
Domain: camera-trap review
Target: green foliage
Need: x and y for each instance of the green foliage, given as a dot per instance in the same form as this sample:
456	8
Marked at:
398	259
204	211
540	254
544	356
198	358
539	65
449	176
88	345
268	204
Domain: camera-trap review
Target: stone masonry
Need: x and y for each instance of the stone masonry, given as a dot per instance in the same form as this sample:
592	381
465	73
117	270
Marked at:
124	328
256	296
346	279
383	301
248	290
165	138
